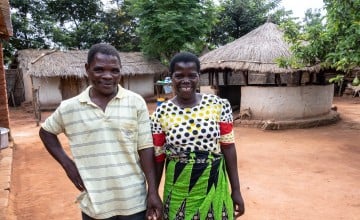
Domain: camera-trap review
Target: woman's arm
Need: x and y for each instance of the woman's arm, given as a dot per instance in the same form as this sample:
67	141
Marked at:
159	166
229	152
154	204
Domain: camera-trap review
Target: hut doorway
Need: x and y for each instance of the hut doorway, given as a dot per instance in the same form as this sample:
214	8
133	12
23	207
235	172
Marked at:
70	86
15	87
231	93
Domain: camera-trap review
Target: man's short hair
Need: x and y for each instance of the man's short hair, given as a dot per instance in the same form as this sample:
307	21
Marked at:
104	49
184	57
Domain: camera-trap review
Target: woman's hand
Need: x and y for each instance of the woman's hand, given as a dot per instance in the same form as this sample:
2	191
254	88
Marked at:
229	152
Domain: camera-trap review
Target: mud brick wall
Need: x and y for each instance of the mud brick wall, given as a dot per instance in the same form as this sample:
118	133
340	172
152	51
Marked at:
4	110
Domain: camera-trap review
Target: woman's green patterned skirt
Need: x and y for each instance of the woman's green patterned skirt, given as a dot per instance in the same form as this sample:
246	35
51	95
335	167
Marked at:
196	186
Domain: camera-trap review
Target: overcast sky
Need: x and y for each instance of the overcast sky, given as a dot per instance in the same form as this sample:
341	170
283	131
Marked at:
297	6
300	6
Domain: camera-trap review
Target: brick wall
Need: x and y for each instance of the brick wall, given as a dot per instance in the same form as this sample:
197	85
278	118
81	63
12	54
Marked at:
4	110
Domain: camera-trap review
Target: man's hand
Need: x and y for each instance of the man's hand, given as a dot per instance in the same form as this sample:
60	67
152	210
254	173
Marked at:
154	207
53	146
73	174
239	207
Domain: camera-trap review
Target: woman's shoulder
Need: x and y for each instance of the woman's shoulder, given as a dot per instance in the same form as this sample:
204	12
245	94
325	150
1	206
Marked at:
214	99
165	106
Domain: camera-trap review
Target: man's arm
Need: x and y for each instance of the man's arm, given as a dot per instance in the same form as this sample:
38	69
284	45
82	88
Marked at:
229	152
54	147
154	203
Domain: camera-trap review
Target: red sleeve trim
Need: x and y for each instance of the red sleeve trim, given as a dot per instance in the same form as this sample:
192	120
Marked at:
226	145
159	139
225	128
160	158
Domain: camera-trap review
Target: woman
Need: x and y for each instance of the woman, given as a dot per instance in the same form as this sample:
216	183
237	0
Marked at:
193	133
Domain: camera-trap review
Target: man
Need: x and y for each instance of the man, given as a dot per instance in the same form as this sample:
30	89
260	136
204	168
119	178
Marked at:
110	139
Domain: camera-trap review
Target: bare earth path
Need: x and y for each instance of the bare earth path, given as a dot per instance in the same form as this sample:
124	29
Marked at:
291	175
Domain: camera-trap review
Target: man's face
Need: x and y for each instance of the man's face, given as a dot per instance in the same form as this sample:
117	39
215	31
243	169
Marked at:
104	74
185	79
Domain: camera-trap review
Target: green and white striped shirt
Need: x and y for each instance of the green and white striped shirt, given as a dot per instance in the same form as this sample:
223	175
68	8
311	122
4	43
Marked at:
105	146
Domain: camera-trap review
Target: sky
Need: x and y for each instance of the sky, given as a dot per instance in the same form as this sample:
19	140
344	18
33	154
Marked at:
300	6
297	6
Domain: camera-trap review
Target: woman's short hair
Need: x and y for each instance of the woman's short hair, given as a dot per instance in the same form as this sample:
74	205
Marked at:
184	57
104	49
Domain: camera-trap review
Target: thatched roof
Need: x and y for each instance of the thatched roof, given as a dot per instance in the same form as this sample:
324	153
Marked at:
5	20
50	63
255	51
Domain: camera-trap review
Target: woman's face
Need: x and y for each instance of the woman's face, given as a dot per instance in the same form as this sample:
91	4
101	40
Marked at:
185	79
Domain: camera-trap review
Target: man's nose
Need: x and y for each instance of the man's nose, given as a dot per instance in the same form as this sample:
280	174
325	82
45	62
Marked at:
107	75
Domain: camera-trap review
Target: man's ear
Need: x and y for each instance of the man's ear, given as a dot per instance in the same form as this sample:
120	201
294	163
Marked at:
86	67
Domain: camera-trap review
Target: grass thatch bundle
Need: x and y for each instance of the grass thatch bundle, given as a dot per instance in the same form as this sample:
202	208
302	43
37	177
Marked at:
255	52
51	63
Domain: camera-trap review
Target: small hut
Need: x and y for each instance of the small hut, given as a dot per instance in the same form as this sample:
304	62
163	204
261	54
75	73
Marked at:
245	72
51	76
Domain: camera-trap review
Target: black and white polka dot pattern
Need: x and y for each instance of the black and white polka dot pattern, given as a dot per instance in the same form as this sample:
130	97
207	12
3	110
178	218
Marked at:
195	128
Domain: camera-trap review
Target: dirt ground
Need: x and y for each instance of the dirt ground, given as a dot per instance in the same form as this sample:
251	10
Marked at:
288	174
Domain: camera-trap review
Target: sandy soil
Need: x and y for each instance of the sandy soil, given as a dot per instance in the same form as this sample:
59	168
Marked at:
289	174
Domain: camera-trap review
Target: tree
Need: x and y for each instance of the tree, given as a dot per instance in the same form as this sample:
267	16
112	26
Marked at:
120	27
169	26
335	44
78	23
343	34
29	30
70	24
306	40
238	17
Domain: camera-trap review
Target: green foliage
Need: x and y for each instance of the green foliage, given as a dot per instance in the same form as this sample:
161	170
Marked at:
356	81
169	26
77	22
28	31
304	39
343	28
70	24
77	11
120	27
333	42
338	79
238	17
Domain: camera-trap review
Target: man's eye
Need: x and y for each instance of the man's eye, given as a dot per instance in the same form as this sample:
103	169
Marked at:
98	70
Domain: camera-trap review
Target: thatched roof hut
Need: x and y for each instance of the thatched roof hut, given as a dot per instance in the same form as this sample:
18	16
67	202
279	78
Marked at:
51	76
239	70
255	51
51	63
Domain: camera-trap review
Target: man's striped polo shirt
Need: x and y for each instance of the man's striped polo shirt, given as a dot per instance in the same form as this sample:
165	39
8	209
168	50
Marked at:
105	146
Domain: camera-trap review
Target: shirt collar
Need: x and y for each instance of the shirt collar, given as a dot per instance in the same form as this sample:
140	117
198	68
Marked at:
85	96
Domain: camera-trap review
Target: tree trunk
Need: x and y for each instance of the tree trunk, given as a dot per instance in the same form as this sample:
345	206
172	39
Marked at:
4	109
